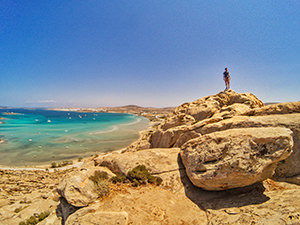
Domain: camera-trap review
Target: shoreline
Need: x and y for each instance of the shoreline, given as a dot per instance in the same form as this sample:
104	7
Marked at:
76	164
153	118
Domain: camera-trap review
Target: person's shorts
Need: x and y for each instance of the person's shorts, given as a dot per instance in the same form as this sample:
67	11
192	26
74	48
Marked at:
227	79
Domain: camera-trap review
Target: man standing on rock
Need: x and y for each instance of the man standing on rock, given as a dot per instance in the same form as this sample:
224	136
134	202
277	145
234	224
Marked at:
226	78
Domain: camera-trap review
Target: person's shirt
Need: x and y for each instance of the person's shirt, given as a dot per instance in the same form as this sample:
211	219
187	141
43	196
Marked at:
226	74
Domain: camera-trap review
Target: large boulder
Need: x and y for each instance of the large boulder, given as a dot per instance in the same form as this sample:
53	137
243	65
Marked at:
156	160
236	157
77	187
286	168
159	162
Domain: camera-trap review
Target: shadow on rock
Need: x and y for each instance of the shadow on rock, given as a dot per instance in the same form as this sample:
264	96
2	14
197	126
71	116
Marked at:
64	210
253	194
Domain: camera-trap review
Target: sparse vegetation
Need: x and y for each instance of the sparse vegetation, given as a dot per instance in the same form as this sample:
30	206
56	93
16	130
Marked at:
100	180
35	219
138	176
17	210
118	179
61	164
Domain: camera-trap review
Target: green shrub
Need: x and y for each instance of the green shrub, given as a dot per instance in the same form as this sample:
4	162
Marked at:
17	210
65	163
61	164
118	179
101	183
43	215
140	175
35	220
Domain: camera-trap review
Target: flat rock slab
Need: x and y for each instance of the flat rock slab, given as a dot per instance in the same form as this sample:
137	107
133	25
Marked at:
148	205
156	160
236	157
89	216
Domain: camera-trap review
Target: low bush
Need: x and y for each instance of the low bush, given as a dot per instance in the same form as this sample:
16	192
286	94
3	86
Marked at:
17	210
138	176
61	164
101	183
35	219
118	179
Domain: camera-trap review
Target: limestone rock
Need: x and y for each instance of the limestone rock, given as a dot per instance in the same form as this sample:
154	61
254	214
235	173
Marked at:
159	162
203	111
78	189
185	137
149	205
177	120
236	157
166	139
90	216
286	168
206	107
275	206
280	108
156	160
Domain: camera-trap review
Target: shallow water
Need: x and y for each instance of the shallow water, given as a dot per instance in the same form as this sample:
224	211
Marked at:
36	136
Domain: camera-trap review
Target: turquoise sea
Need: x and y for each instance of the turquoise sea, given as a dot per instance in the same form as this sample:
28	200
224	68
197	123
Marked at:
37	136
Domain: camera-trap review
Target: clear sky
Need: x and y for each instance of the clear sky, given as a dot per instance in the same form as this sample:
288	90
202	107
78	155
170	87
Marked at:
146	52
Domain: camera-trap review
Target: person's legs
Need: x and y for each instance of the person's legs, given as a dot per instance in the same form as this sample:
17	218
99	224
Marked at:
227	84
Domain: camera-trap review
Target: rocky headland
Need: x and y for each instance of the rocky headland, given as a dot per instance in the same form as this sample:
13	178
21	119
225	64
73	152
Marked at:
222	159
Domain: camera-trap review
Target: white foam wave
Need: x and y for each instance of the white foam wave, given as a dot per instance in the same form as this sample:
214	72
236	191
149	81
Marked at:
114	128
138	120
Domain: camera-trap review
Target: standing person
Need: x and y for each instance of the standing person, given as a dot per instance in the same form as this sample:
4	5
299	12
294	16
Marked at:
226	78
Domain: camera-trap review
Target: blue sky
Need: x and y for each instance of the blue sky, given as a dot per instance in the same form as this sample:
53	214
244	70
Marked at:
149	53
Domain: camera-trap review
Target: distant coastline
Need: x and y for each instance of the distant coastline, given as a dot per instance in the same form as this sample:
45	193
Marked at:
151	113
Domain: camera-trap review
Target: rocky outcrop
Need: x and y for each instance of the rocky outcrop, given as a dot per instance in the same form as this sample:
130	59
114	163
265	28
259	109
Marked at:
156	161
205	110
226	111
161	162
236	157
287	168
279	108
77	187
230	101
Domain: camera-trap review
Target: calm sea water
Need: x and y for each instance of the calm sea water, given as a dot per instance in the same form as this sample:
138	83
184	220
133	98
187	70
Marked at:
35	136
